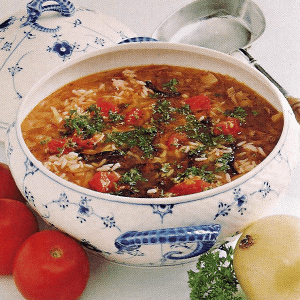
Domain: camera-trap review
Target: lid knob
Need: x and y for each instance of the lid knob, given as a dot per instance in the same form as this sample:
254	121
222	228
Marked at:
36	7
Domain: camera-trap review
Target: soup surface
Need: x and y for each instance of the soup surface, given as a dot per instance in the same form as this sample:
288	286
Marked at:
152	131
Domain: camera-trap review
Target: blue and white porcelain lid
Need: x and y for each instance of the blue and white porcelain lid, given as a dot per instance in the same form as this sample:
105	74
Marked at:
42	36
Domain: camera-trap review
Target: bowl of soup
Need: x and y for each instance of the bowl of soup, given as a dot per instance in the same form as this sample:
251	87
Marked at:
152	154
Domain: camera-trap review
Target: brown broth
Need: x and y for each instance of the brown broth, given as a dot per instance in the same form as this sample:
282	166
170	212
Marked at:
152	131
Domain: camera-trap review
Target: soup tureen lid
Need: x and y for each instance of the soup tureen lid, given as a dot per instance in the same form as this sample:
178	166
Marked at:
42	36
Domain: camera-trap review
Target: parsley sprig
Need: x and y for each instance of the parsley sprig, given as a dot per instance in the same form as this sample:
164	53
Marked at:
165	111
171	85
132	177
238	113
194	171
85	124
140	137
223	162
215	279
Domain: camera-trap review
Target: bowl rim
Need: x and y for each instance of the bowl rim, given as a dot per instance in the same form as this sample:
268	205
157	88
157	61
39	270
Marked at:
161	200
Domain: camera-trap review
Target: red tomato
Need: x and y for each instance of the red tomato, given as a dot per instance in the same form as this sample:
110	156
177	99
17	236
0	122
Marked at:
17	223
106	107
104	181
8	187
176	140
51	266
230	126
134	117
85	144
56	146
198	103
189	186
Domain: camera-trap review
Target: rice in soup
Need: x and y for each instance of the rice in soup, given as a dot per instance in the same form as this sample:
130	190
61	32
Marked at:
152	131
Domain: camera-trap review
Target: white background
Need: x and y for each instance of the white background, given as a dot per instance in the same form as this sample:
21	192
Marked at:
278	50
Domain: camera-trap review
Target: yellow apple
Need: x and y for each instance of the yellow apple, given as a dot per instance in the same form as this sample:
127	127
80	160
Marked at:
266	259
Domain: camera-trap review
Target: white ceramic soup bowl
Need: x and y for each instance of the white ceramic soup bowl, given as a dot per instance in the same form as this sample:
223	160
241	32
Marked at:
157	231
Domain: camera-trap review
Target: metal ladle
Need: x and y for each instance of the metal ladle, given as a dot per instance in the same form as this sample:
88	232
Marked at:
224	25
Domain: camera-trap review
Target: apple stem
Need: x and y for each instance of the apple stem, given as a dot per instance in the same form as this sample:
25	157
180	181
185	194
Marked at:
246	242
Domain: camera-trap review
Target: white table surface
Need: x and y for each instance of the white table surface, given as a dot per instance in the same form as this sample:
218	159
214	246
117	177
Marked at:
278	50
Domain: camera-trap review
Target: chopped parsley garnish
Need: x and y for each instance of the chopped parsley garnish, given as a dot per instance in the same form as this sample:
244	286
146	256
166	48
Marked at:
194	171
166	167
197	131
238	113
165	111
115	117
223	163
132	177
140	137
45	141
171	85
184	110
215	278
85	124
197	151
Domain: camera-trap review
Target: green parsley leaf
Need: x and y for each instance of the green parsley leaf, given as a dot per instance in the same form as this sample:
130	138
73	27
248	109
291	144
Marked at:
194	171
85	124
45	141
132	177
165	110
166	167
223	163
215	278
238	113
171	85
115	117
140	137
198	131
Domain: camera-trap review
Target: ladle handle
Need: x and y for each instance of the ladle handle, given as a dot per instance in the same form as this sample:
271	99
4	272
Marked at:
294	102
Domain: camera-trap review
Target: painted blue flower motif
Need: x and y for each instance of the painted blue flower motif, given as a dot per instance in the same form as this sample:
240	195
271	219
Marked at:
15	69
84	210
162	209
63	201
30	168
7	46
223	210
240	199
99	41
108	221
63	49
29	196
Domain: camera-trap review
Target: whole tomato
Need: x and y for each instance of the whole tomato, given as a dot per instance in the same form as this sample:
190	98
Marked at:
8	187
17	223
51	265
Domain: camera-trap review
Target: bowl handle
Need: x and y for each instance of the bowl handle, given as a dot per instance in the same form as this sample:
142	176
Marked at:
203	236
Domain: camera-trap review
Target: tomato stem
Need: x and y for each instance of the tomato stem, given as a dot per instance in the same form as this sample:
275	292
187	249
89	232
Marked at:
246	242
56	253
